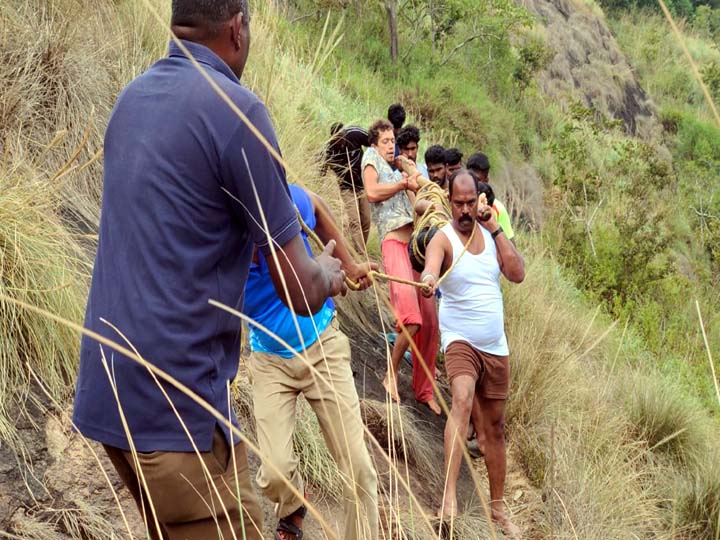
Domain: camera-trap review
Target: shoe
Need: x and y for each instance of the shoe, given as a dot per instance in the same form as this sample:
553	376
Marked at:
408	357
390	337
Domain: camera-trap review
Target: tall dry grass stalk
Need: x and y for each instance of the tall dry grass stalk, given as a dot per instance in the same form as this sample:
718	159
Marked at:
575	443
577	440
41	263
63	64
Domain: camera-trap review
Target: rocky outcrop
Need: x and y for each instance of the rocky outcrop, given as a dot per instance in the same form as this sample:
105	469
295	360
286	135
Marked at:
588	65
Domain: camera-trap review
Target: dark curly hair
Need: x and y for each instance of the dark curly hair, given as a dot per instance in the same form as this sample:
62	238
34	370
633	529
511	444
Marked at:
408	134
396	115
453	156
435	154
376	128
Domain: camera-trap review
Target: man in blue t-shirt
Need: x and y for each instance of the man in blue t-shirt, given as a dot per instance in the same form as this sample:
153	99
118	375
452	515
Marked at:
309	356
189	191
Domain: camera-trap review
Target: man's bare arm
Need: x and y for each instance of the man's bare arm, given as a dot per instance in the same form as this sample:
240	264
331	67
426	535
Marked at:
377	192
327	230
511	262
435	255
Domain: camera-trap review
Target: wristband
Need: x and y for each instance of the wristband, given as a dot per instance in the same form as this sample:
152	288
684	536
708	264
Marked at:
428	275
497	231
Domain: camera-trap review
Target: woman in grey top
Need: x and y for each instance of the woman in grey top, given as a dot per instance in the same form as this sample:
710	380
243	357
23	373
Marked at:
391	195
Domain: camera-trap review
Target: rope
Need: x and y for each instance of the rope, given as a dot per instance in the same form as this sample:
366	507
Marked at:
434	218
372	274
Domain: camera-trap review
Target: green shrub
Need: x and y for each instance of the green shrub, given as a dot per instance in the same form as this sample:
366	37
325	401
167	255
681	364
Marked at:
707	22
711	77
533	56
698	140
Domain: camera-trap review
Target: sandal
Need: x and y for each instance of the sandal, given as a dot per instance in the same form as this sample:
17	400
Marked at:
285	525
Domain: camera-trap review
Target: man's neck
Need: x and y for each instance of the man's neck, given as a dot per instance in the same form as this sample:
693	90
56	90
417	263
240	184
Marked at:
465	236
201	37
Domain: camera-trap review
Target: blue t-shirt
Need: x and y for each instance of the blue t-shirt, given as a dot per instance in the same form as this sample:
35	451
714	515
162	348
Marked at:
178	227
263	305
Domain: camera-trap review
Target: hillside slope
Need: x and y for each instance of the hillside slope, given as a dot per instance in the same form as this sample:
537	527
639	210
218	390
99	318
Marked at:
604	444
589	66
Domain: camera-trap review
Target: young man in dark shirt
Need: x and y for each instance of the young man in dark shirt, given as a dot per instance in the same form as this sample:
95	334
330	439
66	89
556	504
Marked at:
343	155
396	116
435	163
453	161
187	188
480	165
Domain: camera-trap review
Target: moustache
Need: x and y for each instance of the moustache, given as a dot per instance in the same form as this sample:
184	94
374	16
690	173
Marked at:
464	219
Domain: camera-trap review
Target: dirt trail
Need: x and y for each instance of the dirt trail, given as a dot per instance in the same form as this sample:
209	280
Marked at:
57	490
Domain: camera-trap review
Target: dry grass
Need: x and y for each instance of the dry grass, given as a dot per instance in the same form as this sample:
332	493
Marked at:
43	264
62	65
412	441
79	519
664	417
588	429
699	497
594	461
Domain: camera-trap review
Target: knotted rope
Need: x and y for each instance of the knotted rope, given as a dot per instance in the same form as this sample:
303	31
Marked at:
433	219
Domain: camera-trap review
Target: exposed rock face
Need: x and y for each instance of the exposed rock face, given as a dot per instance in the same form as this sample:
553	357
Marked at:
589	66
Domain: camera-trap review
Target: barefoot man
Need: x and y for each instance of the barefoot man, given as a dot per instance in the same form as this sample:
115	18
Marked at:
472	334
391	196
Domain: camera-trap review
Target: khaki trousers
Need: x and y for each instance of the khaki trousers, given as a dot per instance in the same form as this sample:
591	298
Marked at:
357	209
277	383
187	507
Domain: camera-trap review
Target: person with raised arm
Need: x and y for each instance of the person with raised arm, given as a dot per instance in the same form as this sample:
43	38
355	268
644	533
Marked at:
471	255
391	195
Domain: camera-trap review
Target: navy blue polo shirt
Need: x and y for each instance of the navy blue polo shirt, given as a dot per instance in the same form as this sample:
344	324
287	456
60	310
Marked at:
171	238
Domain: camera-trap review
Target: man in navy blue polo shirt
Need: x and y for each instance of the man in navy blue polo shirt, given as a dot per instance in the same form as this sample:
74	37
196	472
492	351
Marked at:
188	192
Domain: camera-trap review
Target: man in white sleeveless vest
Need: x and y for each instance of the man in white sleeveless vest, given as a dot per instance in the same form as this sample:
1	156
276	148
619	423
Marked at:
473	334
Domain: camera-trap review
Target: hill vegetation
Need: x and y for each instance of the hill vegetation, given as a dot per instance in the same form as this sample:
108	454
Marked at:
613	415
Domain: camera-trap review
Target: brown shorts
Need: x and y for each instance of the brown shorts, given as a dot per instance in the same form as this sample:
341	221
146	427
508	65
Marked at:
491	372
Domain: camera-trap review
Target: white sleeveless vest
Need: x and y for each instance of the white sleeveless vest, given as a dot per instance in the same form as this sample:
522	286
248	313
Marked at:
471	307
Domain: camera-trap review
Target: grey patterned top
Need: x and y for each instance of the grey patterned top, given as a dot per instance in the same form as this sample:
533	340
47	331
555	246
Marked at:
396	211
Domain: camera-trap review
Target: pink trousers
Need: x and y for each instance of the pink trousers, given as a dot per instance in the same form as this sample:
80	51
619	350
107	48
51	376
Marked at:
411	307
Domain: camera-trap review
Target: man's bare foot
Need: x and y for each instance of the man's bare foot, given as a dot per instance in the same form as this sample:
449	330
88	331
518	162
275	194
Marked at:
448	510
434	406
508	528
391	389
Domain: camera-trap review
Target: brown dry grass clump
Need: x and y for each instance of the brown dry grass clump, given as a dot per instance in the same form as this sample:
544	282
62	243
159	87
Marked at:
63	63
615	453
41	264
